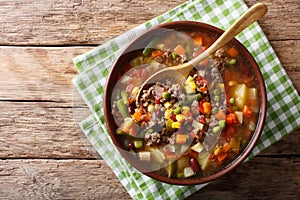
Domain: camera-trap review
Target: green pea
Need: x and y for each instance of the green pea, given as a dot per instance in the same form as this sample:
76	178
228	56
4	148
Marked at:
174	55
177	111
222	123
216	129
119	131
180	175
216	92
165	95
216	98
214	110
232	100
232	61
234	108
138	144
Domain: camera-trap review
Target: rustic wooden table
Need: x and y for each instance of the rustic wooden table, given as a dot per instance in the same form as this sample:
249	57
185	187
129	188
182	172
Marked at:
43	154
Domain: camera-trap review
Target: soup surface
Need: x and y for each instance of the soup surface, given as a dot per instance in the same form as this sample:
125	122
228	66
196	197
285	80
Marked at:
190	130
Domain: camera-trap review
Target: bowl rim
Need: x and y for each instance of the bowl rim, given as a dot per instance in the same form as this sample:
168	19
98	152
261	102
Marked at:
183	25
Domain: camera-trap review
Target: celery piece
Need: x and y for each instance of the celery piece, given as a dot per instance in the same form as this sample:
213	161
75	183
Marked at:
122	108
149	47
124	96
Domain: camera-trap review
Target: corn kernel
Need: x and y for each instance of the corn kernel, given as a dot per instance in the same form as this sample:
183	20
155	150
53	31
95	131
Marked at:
180	117
135	90
218	151
189	79
193	85
168	114
176	125
167	105
189	89
185	108
151	108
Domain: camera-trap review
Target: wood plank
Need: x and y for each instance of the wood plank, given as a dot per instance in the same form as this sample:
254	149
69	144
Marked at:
69	22
45	73
47	130
261	178
42	74
93	179
42	130
72	21
58	179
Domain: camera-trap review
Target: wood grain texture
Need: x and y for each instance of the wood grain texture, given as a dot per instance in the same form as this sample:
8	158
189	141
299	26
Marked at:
48	130
92	179
58	179
261	178
71	22
45	73
42	74
41	130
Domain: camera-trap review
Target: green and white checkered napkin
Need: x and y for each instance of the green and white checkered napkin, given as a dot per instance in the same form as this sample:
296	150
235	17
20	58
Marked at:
283	107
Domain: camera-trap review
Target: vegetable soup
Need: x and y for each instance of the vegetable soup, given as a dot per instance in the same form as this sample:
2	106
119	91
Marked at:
190	130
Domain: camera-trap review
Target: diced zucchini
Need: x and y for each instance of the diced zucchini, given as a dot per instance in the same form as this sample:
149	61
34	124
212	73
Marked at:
171	168
239	116
203	161
188	171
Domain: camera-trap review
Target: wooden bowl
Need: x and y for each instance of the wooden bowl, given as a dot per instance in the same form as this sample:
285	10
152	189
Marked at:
130	52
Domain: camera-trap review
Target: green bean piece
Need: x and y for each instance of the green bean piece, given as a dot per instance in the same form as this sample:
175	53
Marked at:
122	108
171	168
124	96
149	47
